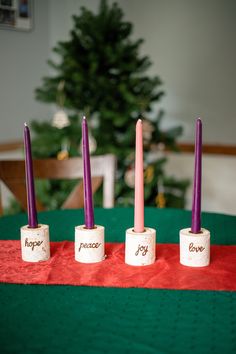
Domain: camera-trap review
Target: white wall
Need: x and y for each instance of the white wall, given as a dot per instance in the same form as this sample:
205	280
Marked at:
193	49
23	58
218	180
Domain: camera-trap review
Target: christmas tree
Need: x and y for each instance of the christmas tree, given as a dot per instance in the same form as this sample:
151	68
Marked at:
101	73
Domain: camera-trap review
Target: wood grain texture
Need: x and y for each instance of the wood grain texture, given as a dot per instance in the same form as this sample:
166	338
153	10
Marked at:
214	149
12	174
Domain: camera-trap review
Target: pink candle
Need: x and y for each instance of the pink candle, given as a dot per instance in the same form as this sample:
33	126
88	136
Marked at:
139	190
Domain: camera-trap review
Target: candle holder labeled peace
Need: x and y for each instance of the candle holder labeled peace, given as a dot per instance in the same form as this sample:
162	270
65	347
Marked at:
35	245
89	244
140	241
195	241
89	238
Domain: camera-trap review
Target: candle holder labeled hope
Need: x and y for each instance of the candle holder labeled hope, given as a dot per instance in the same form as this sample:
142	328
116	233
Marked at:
140	242
35	245
195	241
89	238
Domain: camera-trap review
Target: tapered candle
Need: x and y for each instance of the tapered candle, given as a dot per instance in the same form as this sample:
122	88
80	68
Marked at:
196	205
88	196
139	238
139	189
88	234
31	202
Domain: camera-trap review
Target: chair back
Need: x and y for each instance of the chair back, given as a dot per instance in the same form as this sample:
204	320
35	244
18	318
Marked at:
103	167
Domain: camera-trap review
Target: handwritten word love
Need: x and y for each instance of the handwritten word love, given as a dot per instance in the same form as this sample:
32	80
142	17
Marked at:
89	245
32	244
193	248
142	249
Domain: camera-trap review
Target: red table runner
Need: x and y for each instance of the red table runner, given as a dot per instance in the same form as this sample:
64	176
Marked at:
165	273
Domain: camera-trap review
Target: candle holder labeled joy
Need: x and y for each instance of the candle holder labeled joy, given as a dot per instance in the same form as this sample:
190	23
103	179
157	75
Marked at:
35	246
140	241
195	241
89	238
140	247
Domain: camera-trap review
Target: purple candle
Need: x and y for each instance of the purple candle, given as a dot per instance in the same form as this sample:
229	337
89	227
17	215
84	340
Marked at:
196	206
88	196
31	202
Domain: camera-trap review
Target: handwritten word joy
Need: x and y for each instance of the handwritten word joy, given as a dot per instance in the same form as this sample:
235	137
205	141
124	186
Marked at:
193	248
89	245
32	244
142	249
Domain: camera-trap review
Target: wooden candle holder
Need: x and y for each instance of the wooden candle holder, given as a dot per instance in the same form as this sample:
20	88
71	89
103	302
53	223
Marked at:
89	244
194	248
35	245
140	247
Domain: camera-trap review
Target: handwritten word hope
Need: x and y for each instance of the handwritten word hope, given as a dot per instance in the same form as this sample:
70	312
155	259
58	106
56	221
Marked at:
89	245
32	244
142	249
193	248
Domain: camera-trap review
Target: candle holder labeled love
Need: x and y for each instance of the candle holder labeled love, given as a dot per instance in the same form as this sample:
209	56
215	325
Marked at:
194	248
35	246
195	241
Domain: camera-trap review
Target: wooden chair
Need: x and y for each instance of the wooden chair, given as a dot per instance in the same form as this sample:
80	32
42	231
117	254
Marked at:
12	174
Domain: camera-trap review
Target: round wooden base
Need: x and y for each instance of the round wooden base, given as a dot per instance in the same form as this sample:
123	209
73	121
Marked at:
140	248
89	244
35	245
194	248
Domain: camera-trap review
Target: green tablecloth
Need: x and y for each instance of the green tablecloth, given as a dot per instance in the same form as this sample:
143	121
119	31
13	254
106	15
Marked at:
67	319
